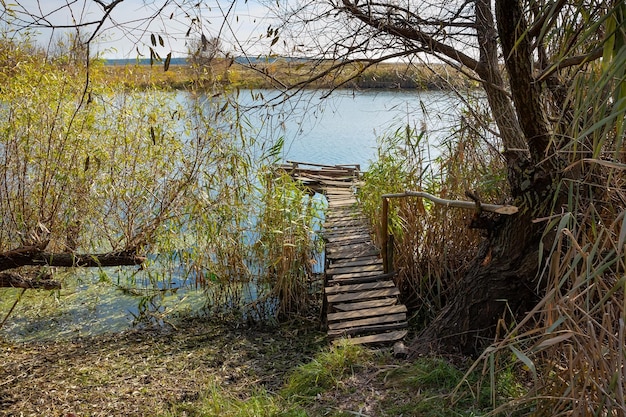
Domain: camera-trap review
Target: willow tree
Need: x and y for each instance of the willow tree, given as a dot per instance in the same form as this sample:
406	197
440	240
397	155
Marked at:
553	76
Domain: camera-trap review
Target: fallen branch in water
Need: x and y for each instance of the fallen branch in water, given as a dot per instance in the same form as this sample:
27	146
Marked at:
14	280
31	256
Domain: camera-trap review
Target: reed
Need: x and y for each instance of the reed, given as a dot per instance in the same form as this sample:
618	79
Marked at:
433	245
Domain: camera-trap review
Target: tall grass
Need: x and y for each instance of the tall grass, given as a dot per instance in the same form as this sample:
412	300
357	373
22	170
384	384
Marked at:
433	245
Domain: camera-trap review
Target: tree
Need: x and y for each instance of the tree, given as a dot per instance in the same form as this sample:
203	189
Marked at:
536	61
203	51
43	223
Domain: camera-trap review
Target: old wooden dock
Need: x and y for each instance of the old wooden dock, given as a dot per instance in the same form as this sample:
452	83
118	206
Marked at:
360	300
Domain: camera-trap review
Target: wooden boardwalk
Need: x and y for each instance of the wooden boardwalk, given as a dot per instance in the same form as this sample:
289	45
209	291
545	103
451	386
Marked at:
360	300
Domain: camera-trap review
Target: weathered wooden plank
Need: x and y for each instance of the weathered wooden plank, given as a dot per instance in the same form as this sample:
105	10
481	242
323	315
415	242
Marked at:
334	270
330	220
353	246
352	254
325	177
371	260
381	302
389	318
344	231
343	202
350	281
378	338
332	192
344	221
336	183
342	211
350	238
362	330
336	289
339	277
367	312
363	295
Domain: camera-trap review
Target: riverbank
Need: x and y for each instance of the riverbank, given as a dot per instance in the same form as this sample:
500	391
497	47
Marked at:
210	369
281	74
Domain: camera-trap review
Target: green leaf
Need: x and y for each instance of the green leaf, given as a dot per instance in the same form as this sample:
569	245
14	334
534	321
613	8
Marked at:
525	359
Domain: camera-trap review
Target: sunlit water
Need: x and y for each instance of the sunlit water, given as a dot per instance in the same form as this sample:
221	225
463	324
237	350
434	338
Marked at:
342	129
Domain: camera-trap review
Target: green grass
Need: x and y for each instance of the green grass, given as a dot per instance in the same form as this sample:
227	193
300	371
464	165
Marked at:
351	380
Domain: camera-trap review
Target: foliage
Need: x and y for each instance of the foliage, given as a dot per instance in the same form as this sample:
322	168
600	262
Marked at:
90	167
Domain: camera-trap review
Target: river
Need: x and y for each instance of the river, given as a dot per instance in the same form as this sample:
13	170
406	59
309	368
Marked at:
341	129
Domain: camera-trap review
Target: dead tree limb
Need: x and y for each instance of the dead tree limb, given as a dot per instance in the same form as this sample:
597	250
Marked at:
30	256
14	280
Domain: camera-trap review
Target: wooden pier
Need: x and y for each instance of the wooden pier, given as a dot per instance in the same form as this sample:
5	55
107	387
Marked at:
360	300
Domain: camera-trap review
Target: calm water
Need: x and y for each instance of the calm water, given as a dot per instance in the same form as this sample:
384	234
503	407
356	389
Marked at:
342	129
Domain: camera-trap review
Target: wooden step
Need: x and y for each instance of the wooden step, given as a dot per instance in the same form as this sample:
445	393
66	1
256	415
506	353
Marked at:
362	295
333	270
363	330
368	312
337	289
381	302
368	260
370	321
350	281
348	239
356	275
352	253
377	338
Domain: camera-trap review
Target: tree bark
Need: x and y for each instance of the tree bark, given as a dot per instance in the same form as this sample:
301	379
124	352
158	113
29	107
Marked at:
502	280
526	92
500	284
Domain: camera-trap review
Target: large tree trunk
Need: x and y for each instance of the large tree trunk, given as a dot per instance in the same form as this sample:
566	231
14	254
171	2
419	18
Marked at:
500	283
502	280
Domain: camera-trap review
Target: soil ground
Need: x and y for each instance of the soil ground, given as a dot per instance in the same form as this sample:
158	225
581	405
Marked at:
203	368
148	372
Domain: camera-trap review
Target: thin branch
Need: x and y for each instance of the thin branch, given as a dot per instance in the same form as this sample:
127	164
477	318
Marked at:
427	42
494	208
571	62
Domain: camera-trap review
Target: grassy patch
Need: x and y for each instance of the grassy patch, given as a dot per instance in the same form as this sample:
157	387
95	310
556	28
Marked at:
205	369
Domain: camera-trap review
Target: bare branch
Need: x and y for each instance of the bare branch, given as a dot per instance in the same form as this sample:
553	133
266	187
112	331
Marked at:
427	42
571	62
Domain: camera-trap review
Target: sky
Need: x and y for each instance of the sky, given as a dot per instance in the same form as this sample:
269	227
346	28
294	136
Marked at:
128	29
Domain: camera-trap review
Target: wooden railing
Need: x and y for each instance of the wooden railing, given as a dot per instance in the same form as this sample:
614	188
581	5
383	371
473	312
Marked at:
387	239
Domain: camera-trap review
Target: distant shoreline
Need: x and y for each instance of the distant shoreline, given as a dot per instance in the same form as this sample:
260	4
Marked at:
279	73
